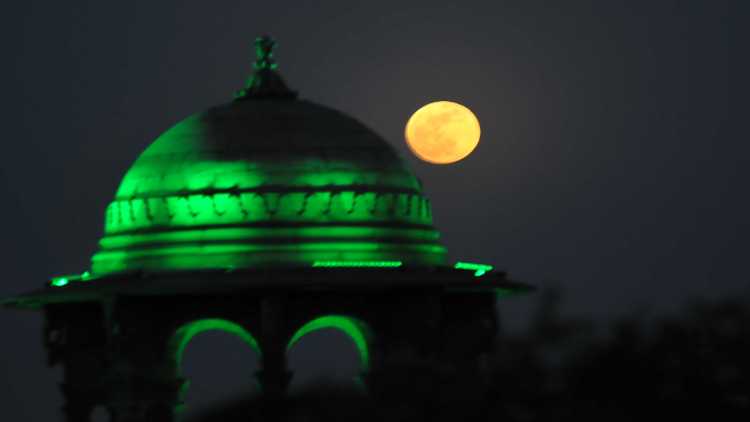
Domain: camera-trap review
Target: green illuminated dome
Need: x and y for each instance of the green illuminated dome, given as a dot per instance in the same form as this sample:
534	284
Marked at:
266	180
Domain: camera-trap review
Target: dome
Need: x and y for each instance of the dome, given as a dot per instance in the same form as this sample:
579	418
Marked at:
266	181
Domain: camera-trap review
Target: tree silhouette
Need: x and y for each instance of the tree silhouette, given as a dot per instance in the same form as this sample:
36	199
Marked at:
690	365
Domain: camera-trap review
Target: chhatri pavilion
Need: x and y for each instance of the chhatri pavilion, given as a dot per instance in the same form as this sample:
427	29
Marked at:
268	217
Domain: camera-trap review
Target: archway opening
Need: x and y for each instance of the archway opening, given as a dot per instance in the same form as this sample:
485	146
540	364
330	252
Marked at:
218	366
331	349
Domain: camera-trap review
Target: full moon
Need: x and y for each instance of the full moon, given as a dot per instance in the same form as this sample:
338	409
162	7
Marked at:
442	132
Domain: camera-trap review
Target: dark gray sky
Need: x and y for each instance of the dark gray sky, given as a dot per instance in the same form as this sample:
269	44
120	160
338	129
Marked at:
612	159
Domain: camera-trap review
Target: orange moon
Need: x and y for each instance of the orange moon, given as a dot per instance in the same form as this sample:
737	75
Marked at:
442	132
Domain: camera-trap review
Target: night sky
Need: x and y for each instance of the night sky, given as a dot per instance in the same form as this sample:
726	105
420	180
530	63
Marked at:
612	161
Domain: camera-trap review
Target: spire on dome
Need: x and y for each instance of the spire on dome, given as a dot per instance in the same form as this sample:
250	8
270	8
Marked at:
265	82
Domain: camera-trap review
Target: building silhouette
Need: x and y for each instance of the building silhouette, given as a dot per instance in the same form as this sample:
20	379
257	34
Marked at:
268	217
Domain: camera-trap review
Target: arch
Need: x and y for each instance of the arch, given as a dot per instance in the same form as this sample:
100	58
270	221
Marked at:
186	332
355	329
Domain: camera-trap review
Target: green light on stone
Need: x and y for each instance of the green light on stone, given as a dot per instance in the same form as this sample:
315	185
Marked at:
218	234
356	330
216	192
187	332
479	269
59	282
358	264
64	280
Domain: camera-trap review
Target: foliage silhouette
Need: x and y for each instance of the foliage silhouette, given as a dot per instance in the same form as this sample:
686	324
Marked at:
691	365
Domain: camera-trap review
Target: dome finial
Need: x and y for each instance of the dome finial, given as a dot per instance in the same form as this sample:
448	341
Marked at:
265	82
264	46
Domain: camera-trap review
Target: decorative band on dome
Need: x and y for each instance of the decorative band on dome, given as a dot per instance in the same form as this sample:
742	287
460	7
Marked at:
226	229
294	205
